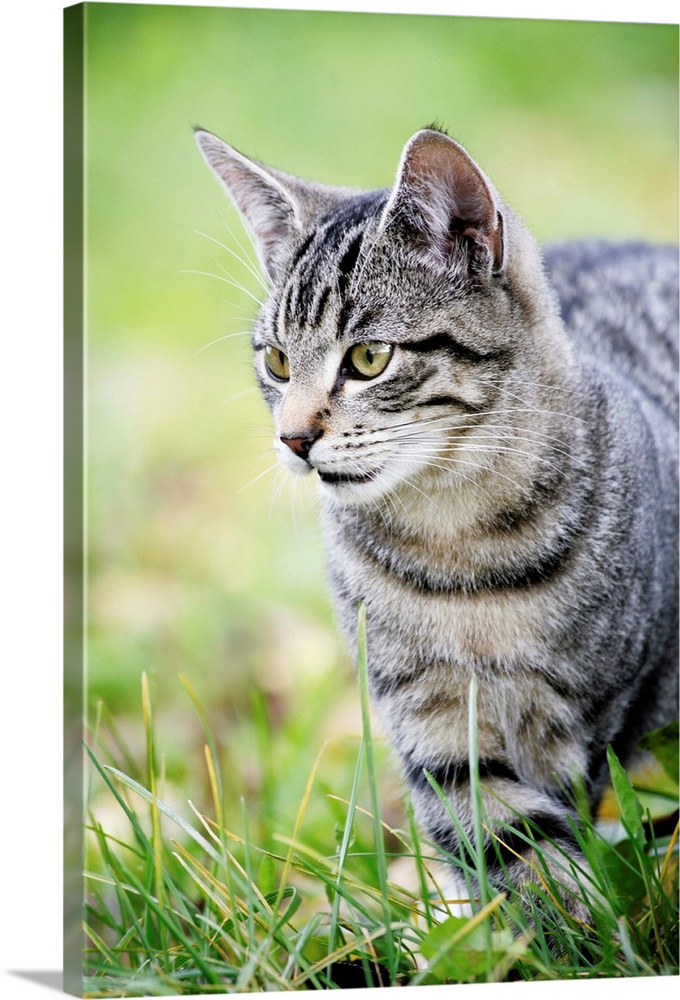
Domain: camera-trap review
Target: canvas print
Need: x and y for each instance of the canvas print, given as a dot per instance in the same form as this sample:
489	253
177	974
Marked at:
374	625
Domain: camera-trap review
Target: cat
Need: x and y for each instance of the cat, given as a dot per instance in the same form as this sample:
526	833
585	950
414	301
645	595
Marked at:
494	431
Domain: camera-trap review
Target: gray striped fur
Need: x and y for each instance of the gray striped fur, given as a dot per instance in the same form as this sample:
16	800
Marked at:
503	497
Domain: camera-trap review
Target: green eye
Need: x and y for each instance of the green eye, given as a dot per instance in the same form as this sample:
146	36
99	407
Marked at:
370	359
277	363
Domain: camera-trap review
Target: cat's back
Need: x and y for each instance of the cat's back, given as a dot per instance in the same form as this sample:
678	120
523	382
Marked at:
619	303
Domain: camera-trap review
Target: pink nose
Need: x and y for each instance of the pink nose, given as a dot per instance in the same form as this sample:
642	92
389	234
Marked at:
301	444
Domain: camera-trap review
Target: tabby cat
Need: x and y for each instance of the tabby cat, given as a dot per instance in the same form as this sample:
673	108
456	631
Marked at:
494	433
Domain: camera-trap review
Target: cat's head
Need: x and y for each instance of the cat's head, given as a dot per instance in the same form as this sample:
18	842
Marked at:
392	317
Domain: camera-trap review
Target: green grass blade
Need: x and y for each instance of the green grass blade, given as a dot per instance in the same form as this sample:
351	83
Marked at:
164	916
344	848
421	871
166	810
134	822
210	740
476	795
381	861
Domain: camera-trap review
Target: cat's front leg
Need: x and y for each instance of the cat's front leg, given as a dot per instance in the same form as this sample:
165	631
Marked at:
526	837
520	799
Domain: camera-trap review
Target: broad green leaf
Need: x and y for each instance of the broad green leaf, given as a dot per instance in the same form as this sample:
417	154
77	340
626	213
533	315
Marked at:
629	804
621	865
466	957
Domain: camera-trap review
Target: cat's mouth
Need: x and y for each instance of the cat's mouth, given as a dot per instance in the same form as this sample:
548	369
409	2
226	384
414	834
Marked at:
342	479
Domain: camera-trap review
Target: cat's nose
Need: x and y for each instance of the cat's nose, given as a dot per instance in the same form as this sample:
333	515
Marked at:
301	444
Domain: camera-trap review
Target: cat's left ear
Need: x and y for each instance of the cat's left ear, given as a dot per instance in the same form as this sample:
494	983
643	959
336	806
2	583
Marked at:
276	207
446	206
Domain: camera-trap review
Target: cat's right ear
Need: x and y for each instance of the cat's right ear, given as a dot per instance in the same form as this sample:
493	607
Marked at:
267	200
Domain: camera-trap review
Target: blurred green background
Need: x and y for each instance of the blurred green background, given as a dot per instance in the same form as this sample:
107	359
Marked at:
196	566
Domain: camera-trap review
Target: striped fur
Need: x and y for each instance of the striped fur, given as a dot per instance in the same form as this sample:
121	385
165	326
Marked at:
503	496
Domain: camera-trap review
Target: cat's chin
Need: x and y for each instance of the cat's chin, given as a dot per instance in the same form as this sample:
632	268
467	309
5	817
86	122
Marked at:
350	494
351	491
339	487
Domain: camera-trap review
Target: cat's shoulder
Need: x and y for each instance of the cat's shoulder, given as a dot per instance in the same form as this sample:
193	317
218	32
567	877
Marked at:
619	301
573	256
597	270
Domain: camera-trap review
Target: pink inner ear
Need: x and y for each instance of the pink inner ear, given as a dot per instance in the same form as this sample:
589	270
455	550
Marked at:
447	195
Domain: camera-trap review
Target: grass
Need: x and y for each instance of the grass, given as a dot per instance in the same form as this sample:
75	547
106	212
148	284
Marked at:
194	568
179	903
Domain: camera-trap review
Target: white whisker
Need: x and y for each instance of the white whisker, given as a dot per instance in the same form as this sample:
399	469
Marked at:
227	336
498	448
414	487
255	262
484	432
239	395
259	476
452	462
277	488
241	260
538	385
473	482
228	281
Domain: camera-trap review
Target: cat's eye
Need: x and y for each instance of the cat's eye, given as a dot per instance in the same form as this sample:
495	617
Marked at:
277	363
369	359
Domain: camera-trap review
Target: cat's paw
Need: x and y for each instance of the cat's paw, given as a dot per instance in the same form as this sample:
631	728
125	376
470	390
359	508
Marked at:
561	883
